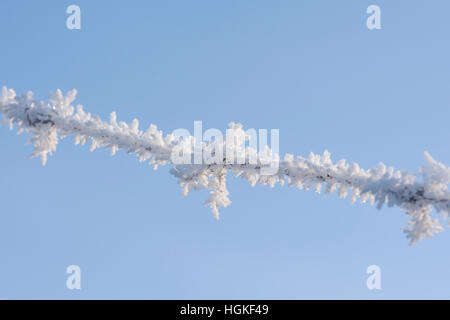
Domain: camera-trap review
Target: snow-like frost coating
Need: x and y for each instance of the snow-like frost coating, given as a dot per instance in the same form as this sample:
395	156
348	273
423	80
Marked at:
416	194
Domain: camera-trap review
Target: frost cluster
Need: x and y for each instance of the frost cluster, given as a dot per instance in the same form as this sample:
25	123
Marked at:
417	194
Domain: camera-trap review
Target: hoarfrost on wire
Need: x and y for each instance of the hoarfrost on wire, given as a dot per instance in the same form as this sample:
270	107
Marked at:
417	194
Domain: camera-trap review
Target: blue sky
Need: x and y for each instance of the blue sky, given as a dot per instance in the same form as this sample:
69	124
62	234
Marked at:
309	68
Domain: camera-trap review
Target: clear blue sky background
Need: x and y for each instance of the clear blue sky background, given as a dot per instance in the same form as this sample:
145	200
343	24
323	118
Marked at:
309	68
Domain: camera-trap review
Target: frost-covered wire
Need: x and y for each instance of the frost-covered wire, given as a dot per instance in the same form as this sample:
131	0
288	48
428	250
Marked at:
416	194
